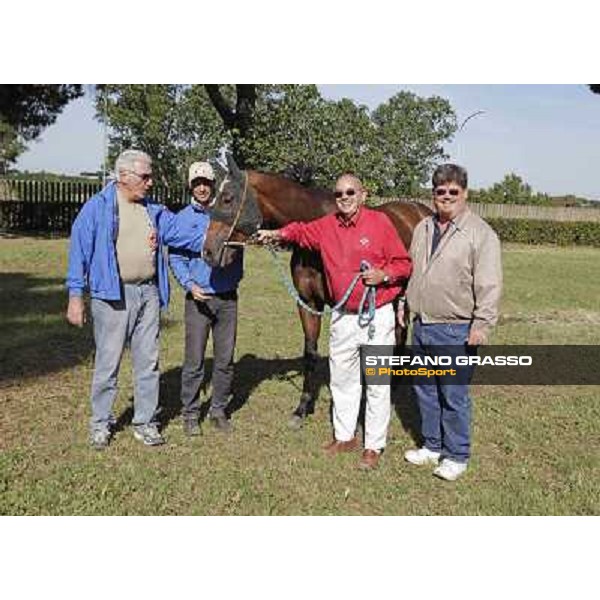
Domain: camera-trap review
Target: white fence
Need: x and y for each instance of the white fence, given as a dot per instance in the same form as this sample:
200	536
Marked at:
521	211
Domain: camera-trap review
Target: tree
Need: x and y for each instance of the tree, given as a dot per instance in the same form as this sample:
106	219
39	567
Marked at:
350	144
239	120
288	129
511	190
25	111
10	145
174	124
393	150
283	136
411	131
312	140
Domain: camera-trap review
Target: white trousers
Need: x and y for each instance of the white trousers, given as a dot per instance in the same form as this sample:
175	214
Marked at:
346	337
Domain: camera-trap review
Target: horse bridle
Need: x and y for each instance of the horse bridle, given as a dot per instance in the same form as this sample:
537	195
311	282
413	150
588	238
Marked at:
236	219
227	243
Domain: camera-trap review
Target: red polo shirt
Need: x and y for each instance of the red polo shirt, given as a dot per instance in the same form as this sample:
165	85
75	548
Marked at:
369	236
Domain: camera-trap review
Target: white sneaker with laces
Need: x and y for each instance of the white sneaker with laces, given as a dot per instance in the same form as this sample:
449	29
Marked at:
450	470
422	456
149	435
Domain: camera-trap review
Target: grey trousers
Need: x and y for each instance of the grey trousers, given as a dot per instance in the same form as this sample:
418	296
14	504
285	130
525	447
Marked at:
133	320
218	314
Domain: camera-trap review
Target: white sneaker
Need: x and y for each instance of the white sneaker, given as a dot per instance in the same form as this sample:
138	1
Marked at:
450	470
422	456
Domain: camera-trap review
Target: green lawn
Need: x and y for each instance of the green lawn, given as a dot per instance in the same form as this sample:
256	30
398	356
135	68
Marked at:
536	450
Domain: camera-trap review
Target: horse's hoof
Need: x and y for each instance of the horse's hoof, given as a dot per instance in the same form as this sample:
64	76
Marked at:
296	422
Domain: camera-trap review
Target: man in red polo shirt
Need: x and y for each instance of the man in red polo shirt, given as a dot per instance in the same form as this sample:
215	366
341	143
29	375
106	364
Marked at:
346	239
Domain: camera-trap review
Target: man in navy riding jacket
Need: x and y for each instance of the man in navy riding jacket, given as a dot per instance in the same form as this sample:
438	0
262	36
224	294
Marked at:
210	305
116	253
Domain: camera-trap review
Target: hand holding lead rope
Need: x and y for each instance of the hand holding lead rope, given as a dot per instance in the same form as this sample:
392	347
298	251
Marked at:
371	276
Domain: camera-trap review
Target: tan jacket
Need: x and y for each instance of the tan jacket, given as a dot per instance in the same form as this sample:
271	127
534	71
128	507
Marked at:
462	281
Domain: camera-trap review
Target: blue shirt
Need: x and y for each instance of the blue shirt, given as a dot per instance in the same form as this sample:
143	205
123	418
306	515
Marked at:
189	268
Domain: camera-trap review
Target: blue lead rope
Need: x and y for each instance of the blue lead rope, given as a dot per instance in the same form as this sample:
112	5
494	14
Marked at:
366	308
367	317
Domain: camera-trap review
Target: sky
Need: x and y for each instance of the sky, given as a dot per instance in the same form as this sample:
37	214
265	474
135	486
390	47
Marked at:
547	134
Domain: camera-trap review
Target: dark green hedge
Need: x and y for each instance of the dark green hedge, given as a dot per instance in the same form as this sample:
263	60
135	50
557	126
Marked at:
560	233
42	217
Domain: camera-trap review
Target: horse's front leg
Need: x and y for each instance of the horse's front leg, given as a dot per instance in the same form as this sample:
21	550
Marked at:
402	321
311	325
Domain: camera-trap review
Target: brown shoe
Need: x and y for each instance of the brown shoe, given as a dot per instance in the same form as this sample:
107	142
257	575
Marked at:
369	461
336	447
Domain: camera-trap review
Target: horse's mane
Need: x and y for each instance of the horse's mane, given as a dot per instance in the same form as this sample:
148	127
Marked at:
260	179
283	199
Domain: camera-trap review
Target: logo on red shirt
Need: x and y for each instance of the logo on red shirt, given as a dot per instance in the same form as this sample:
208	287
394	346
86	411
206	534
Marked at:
364	241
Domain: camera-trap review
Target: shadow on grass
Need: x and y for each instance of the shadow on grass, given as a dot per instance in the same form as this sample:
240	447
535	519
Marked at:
34	235
407	411
251	371
169	406
36	340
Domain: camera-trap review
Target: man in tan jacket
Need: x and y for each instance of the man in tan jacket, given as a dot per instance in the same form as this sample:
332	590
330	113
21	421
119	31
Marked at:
454	294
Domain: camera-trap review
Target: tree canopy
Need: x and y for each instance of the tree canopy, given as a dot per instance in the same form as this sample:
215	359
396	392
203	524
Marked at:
511	190
289	129
172	123
25	111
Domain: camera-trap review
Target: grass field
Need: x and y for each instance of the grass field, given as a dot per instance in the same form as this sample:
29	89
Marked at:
536	450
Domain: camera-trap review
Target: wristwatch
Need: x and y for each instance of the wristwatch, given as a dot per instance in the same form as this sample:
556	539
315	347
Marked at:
386	279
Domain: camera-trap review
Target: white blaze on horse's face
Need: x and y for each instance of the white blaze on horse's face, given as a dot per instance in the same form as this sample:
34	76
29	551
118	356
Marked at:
222	186
226	196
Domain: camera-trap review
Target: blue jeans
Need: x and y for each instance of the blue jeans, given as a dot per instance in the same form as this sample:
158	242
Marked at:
445	409
133	320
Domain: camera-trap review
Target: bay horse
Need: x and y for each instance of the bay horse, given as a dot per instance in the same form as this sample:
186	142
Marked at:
249	200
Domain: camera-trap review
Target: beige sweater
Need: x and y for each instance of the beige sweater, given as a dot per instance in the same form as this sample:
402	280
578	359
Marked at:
137	261
462	281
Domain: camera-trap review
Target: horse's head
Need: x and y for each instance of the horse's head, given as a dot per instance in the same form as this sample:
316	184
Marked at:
234	217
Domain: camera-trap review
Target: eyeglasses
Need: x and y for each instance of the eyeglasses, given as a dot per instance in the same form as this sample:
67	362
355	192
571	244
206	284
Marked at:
444	191
348	193
143	176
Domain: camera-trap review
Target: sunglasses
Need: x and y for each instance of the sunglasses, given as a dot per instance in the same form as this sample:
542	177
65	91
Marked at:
444	191
348	193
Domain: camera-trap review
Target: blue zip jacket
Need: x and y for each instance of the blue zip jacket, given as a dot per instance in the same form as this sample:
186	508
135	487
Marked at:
92	254
189	268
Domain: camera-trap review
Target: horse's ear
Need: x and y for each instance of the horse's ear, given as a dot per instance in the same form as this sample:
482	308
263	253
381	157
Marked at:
234	170
219	169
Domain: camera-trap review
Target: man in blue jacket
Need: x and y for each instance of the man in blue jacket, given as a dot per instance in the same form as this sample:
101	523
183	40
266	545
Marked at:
210	304
116	252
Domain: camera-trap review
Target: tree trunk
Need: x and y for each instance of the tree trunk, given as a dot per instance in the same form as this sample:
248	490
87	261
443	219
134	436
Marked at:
237	121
